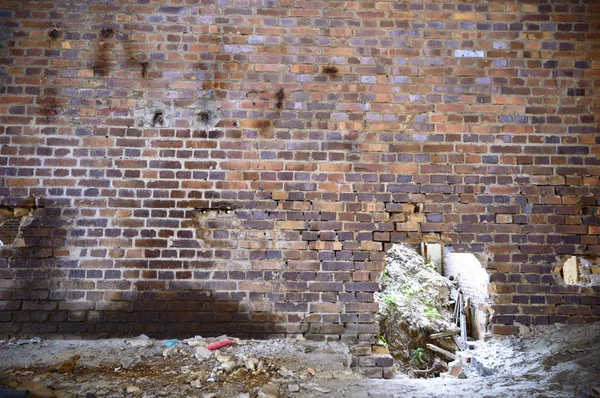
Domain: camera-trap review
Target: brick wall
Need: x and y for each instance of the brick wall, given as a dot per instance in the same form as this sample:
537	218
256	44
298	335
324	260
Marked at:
241	166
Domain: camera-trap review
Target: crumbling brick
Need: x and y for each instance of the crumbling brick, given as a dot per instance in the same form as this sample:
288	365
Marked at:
220	185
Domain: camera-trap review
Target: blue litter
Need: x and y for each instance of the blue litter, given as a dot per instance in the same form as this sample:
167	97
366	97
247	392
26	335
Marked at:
170	343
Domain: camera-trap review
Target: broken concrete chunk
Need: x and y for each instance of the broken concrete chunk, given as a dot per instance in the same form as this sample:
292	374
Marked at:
141	341
294	387
133	390
202	354
169	352
269	391
130	363
196	341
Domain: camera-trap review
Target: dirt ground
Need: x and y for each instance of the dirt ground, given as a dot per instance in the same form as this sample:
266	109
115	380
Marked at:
558	361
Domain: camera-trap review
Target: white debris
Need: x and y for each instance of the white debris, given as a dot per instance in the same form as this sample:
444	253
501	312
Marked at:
141	341
202	354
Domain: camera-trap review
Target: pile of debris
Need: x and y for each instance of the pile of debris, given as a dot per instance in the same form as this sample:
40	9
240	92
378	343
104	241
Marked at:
421	315
199	366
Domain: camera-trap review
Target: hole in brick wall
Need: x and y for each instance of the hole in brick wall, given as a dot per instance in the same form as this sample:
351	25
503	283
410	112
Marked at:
472	279
204	117
425	316
12	219
9	230
54	34
158	119
579	271
145	66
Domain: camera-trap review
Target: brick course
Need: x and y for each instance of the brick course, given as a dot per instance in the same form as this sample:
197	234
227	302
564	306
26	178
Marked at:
242	167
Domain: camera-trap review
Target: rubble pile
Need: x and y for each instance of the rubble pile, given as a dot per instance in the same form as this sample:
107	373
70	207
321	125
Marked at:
414	304
198	366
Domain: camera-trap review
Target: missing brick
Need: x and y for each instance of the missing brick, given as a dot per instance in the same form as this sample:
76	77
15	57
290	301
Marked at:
12	219
145	66
204	117
579	271
9	230
158	119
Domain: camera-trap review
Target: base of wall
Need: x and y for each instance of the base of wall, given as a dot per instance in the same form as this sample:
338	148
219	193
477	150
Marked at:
373	361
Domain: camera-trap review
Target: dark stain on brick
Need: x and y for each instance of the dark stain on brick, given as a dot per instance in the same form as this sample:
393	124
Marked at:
103	60
107	33
331	70
50	108
280	96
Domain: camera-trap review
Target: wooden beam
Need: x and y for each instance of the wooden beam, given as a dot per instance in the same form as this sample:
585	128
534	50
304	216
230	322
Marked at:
447	333
439	350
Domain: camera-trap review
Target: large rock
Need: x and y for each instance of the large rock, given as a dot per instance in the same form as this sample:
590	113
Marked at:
37	389
413	303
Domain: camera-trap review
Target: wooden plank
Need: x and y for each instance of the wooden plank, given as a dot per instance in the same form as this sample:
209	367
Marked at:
459	343
447	333
463	329
439	350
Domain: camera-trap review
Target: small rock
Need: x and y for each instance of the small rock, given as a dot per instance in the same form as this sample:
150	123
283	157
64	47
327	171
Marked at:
283	372
294	387
196	341
133	390
196	383
269	391
65	395
250	363
131	362
455	369
202	354
67	366
169	352
324	374
320	389
37	389
227	366
141	341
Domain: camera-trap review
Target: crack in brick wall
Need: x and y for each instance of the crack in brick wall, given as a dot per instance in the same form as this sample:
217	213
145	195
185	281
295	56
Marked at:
336	129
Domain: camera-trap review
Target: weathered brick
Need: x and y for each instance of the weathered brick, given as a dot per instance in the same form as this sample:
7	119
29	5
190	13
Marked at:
284	191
